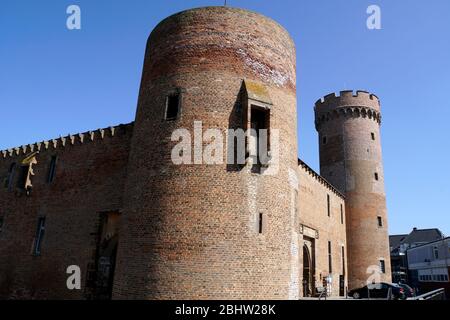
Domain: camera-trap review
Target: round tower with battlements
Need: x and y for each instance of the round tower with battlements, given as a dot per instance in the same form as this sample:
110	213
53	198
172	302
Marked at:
350	158
211	231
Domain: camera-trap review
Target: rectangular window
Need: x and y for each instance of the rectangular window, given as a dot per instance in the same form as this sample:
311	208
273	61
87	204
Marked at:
330	267
52	170
324	140
39	236
372	135
260	223
1	224
380	221
376	176
260	132
23	177
382	266
328	205
343	259
342	214
172	106
436	253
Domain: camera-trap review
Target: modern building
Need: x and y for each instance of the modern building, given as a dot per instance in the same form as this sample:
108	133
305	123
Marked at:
400	243
429	265
114	203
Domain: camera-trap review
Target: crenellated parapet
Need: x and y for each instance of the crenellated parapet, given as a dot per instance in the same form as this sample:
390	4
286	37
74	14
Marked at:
347	104
66	141
319	178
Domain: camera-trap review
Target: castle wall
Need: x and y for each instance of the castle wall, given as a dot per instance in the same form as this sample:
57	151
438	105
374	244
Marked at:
88	180
313	216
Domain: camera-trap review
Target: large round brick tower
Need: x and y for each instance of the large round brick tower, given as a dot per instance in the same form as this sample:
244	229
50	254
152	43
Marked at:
350	158
211	231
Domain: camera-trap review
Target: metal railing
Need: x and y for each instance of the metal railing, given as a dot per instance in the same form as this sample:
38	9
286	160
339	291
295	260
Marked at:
438	294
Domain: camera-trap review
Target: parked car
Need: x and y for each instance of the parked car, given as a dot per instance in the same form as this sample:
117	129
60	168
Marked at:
379	291
409	292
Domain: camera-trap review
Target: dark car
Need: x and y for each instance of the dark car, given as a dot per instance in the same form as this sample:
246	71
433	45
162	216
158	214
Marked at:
379	291
409	292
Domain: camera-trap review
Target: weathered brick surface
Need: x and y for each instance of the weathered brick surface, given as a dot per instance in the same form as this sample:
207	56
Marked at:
349	160
192	229
89	180
313	214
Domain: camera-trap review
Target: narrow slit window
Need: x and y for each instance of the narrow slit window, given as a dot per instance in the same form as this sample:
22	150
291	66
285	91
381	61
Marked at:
39	236
380	221
382	266
52	170
343	259
342	214
376	176
10	179
324	140
172	106
328	205
330	266
372	135
260	223
1	224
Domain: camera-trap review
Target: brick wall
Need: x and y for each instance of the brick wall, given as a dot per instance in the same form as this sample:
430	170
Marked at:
313	214
89	180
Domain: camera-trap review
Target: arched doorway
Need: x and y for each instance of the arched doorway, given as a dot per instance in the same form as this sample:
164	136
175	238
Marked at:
307	271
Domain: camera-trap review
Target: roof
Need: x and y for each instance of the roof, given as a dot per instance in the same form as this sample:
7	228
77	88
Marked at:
257	91
415	238
395	240
431	242
423	236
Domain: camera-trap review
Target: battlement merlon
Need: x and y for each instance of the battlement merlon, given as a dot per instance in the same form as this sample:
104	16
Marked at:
348	98
66	141
347	103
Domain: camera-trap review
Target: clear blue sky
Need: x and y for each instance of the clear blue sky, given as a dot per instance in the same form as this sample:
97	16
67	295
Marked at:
54	81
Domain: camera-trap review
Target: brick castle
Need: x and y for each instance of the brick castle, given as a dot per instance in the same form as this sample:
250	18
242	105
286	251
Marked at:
112	202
